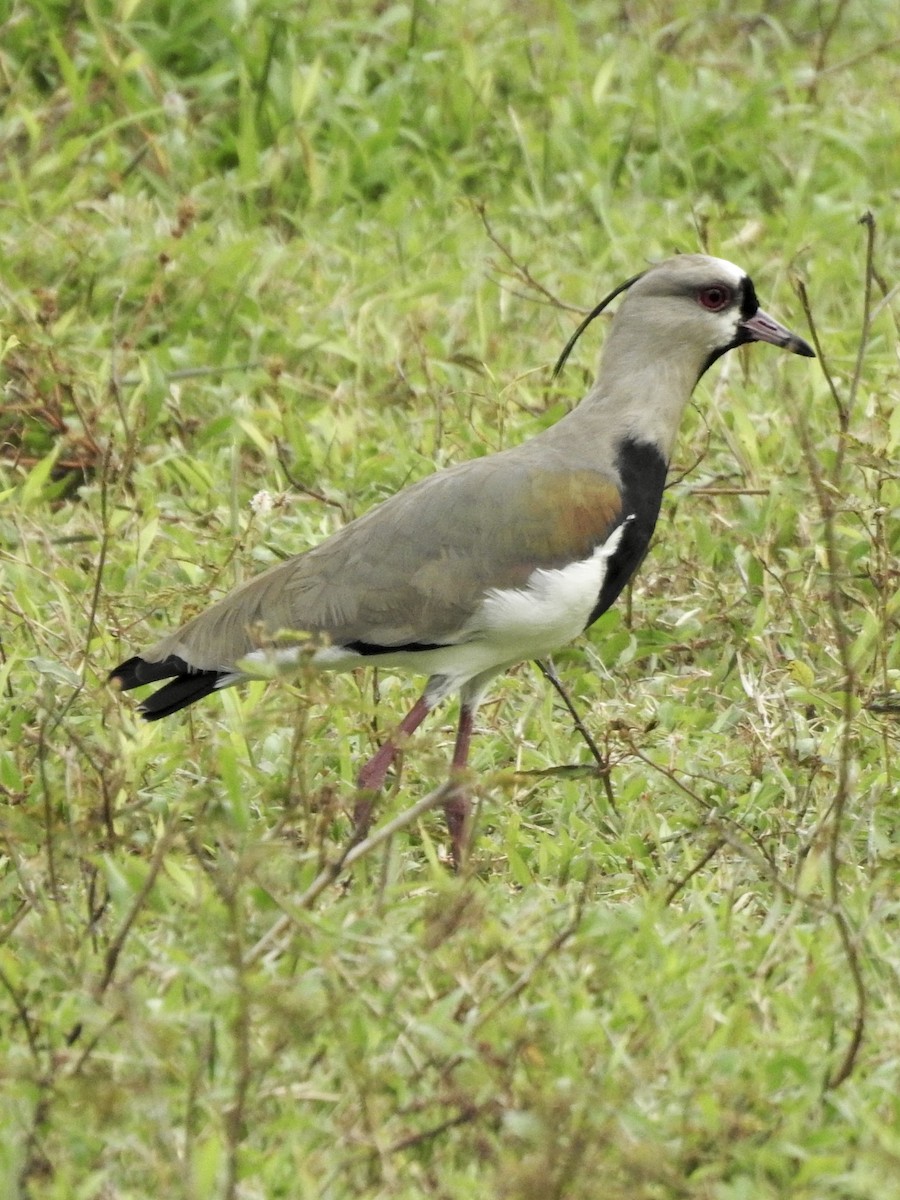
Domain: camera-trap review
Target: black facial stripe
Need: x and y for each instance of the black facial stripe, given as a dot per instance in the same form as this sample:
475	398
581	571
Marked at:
741	337
749	302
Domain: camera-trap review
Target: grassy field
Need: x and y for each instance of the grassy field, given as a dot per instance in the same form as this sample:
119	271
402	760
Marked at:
316	250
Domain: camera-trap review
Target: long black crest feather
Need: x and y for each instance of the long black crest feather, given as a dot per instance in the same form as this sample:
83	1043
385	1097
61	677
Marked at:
595	312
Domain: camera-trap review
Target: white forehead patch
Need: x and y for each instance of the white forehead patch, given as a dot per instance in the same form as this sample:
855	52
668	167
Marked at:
729	271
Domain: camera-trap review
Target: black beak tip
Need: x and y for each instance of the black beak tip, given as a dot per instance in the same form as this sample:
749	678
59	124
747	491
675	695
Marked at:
798	346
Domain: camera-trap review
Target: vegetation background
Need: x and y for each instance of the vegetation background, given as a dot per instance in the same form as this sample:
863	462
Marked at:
316	250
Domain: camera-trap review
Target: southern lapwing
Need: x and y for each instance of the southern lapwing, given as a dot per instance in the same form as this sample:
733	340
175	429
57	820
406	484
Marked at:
491	562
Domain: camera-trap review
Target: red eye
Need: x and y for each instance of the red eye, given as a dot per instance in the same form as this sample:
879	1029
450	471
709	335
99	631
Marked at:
715	298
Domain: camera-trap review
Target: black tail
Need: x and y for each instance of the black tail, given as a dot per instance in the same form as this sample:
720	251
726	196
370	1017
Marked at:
187	684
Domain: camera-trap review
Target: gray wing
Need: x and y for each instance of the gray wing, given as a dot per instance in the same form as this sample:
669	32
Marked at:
413	570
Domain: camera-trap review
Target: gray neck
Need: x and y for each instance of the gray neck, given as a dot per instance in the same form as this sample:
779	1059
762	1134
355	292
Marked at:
636	396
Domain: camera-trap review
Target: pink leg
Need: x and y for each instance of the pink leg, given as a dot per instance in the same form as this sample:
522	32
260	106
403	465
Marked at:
373	773
458	805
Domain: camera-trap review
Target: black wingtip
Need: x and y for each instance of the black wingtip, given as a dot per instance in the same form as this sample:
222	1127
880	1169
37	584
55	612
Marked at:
186	684
179	693
136	671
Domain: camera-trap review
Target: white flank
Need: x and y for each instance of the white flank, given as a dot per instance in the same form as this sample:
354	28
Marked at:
553	609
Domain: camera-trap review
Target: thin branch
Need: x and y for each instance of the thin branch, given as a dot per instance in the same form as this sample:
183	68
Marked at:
469	1112
825	490
842	790
303	488
822	49
729	491
518	986
24	1015
522	271
710	854
820	353
868	221
720	824
548	670
101	554
352	852
116	946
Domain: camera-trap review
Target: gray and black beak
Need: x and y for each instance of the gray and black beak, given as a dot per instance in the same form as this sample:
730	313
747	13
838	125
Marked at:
763	328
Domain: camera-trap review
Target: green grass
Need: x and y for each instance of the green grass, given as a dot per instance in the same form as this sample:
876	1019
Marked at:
317	250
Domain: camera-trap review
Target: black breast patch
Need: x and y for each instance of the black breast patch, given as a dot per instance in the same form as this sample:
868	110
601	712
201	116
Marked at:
642	471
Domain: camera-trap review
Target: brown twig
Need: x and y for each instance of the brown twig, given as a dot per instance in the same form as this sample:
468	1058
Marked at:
520	271
303	488
548	670
710	854
116	946
518	985
825	490
351	853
